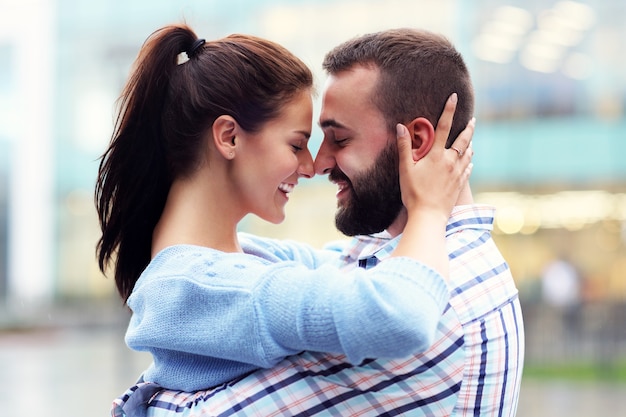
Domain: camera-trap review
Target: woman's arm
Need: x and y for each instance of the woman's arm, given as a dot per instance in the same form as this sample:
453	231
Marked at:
237	307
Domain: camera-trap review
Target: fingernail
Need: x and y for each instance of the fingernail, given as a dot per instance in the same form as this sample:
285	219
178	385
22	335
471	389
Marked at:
400	129
454	98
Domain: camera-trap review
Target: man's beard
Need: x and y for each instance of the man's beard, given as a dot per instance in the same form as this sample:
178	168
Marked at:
375	199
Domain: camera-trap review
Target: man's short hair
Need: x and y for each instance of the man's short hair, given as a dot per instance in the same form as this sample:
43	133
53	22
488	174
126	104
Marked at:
419	70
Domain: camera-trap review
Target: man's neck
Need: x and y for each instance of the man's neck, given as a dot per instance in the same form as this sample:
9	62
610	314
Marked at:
398	224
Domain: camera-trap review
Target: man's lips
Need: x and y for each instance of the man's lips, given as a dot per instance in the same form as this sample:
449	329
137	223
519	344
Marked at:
342	182
342	186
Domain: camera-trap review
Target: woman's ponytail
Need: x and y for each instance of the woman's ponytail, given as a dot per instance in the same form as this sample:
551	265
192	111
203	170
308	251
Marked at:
133	178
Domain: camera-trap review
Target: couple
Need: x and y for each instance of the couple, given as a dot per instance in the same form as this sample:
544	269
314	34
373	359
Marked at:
203	141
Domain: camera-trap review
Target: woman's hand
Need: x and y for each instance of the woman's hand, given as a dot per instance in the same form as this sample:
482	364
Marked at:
430	188
434	182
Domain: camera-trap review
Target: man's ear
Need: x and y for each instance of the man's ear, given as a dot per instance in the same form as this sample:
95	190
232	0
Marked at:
422	137
224	131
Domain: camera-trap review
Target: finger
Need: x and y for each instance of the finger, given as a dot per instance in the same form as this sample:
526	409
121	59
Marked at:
462	142
465	176
444	124
404	143
466	160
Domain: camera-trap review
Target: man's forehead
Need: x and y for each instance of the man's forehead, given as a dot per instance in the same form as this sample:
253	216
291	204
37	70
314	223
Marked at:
335	114
357	78
344	93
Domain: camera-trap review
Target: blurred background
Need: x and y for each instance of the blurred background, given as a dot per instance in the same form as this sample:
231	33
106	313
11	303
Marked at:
550	81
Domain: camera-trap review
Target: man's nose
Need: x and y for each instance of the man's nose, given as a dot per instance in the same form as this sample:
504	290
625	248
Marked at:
324	160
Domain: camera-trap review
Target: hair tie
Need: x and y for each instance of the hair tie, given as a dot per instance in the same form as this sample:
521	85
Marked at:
193	51
194	48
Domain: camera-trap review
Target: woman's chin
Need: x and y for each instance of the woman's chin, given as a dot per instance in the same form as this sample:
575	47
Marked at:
276	218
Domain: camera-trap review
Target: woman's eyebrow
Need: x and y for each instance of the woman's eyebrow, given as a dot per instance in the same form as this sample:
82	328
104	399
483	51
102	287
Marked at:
305	133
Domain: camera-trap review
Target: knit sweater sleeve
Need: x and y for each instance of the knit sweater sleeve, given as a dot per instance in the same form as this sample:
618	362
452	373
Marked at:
277	250
248	310
389	311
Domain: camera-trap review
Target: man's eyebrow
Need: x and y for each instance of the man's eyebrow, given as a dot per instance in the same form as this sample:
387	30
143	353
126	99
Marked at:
331	123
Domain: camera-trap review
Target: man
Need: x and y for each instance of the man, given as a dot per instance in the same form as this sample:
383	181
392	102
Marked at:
475	365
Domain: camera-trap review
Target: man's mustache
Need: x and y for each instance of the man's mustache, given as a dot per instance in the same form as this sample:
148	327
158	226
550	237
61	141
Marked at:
336	175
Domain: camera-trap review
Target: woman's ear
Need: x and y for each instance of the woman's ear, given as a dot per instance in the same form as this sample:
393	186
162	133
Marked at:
224	131
422	137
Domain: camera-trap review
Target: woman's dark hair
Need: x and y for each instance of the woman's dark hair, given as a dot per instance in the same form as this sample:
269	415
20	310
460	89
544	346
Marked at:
165	110
419	70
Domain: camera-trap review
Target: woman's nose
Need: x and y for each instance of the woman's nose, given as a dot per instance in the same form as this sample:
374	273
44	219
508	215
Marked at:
306	169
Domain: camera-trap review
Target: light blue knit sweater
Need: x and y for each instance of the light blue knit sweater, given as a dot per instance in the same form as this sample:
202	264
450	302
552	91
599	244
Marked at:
208	317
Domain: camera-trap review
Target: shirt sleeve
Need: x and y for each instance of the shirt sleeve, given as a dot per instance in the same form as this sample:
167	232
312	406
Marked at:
244	310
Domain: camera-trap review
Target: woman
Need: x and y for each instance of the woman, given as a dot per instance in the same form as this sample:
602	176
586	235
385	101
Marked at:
199	143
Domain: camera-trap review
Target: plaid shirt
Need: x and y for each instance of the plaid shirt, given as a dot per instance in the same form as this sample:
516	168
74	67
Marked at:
473	368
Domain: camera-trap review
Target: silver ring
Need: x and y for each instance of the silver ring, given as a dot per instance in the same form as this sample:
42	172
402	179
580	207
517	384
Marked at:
457	151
